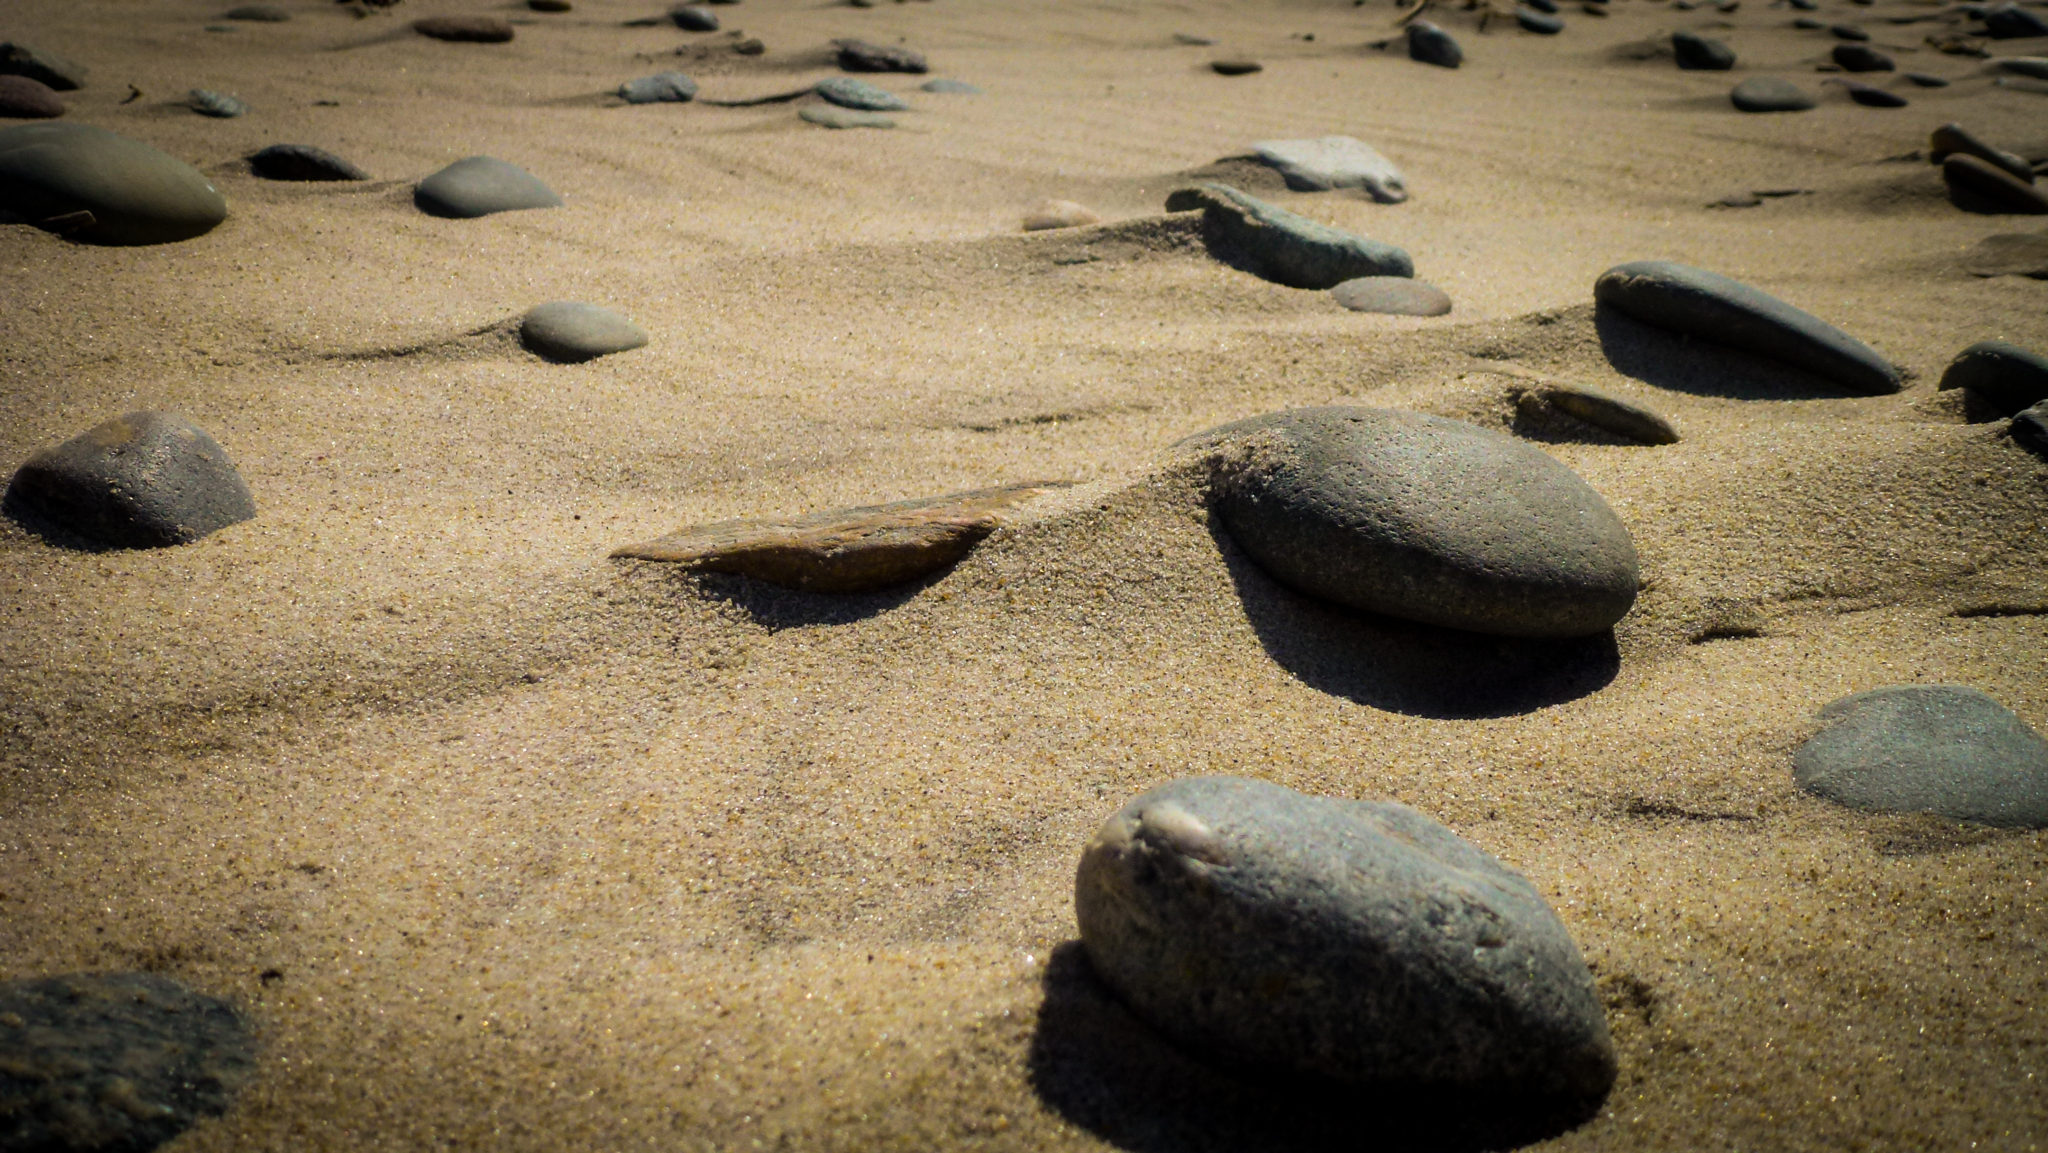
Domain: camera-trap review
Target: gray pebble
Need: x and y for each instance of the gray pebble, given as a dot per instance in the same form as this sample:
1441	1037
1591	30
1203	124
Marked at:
2004	375
1392	296
465	29
1871	96
219	105
848	92
1770	94
1236	66
950	87
1848	32
258	14
1538	22
660	88
143	480
570	331
1699	54
479	186
1862	58
45	68
94	186
302	162
1328	162
1942	749
2033	66
25	99
2012	22
1924	80
1432	45
1283	247
833	116
861	56
693	18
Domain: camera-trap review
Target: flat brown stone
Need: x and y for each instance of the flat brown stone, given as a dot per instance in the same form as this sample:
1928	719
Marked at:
465	29
2010	254
851	550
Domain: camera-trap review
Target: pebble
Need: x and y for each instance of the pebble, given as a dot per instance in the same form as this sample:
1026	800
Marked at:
693	18
1871	96
1594	8
950	87
832	116
550	5
1283	247
258	14
25	99
1432	45
1952	138
1050	214
1978	186
1609	414
2004	375
116	1061
853	550
143	480
1547	7
1328	162
91	185
1342	941
1924	80
45	68
479	186
1848	32
1809	24
660	88
1235	67
302	162
861	56
464	29
219	105
1538	22
1697	53
2030	429
848	92
2012	22
1770	94
570	332
1695	302
1862	58
1943	749
1193	40
2010	254
2034	66
1392	296
1422	518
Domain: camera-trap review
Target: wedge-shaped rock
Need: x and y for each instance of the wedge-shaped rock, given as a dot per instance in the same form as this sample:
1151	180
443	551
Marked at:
849	551
1283	247
2007	376
1329	162
1943	749
144	480
88	184
1696	302
2010	254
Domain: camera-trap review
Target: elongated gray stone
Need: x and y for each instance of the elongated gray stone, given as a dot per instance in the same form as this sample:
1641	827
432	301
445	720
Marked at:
861	56
219	105
1607	413
143	480
1985	187
833	116
1944	749
1329	162
1422	518
2030	428
660	88
2008	377
1696	302
482	185
570	331
1353	942
1286	248
1770	94
2010	254
850	92
46	68
1952	138
94	186
1392	296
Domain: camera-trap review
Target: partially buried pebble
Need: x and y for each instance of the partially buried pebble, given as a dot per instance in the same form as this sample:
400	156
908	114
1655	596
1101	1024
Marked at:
849	92
91	185
1283	247
1979	186
570	332
1610	415
302	162
143	480
2002	374
25	99
1429	44
832	116
1943	749
219	105
1770	94
1952	138
1700	53
1051	214
464	29
481	186
1392	296
660	88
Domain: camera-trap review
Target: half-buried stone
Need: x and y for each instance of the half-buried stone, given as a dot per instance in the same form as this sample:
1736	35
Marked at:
1422	518
1862	58
833	116
25	99
1871	96
464	29
1695	302
479	186
144	480
1540	23
1429	44
1283	247
91	185
1770	94
2010	254
693	18
302	162
1609	414
861	56
1952	138
660	88
848	92
1051	214
114	1062
219	105
2030	429
2006	376
1942	749
1697	53
570	331
1353	943
45	68
1392	296
1328	162
1978	186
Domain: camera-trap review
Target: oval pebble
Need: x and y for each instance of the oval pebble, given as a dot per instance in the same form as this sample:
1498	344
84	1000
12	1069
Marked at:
219	105
660	88
1235	67
570	331
1862	58
1698	53
1770	94
1430	44
1983	187
480	186
1944	749
849	92
1540	23
861	56
94	186
1609	414
1952	138
1392	296
464	29
2006	376
25	99
831	116
950	87
693	18
143	480
302	162
1871	96
46	68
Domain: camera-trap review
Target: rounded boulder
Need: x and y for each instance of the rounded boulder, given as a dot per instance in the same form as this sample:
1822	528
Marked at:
92	185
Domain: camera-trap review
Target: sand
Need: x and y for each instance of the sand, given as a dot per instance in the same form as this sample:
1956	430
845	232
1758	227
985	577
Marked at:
503	844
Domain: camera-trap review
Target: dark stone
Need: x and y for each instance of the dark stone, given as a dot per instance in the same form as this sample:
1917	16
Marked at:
114	1062
2005	376
1770	94
45	68
94	186
1547	7
1594	8
258	14
1871	96
1538	22
1924	80
1943	749
2030	429
1193	40
861	56
464	29
950	87
2012	22
693	18
1848	32
1432	45
218	105
1422	518
1695	302
479	186
1348	942
1950	139
2035	67
1392	296
1808	24
25	99
660	88
1862	58
570	332
1283	247
144	480
847	92
1611	415
1697	53
2010	254
833	116
1235	67
302	162
549	5
1980	187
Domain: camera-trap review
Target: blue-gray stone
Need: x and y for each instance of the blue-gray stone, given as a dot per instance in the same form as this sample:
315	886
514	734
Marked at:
950	87
143	480
1283	247
1430	44
1700	54
479	186
662	87
219	105
570	331
1943	749
2006	376
1541	23
91	185
848	92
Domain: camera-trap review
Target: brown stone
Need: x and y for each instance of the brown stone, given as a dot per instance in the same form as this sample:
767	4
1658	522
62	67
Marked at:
1611	415
1980	186
25	99
851	550
2010	254
465	29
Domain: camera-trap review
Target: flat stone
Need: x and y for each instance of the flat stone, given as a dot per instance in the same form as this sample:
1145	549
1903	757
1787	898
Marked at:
848	92
1347	942
94	186
115	1062
1541	23
2006	376
2034	66
25	99
257	14
1943	749
464	29
45	68
219	105
1770	94
143	480
1328	162
861	56
833	116
1871	96
1283	247
1594	8
1924	80
1392	296
479	186
1430	44
2030	429
1697	53
1193	40
693	18
1547	7
1983	187
850	551
1609	414
1950	139
1235	67
1809	24
550	5
2012	22
1862	58
1050	214
302	162
1695	302
660	88
1848	32
2022	84
950	87
1422	518
2010	254
570	332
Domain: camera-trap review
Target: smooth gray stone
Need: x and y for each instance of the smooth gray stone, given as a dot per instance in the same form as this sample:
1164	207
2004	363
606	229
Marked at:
2030	429
1392	296
115	1062
1952	138
25	99
2006	376
302	162
848	92
1808	24
660	88
1696	302
692	18
1350	942
1862	58
950	87
2012	22
258	14
1697	53
861	56
219	105
570	331
2034	66
833	116
1848	32
1770	94
1871	96
1609	414
1193	40
2010	254
1286	248
144	480
1924	80
1422	518
1328	162
1943	749
1430	44
1983	187
46	68
1538	22
479	186
94	186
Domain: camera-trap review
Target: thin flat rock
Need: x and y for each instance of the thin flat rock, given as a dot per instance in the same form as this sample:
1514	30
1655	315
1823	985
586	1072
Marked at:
1871	96
1695	302
302	162
219	105
850	92
46	68
570	332
1392	296
1283	247
1235	66
25	99
1328	162
660	88
1944	749
480	186
2006	376
143	480
1982	187
833	116
2033	66
90	185
861	56
2010	254
464	29
850	551
1952	138
947	87
1770	94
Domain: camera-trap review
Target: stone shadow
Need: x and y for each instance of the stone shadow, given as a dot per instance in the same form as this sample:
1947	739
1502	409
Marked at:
1702	367
774	607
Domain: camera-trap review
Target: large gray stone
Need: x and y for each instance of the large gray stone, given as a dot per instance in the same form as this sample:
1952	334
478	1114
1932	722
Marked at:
849	92
1952	138
2005	375
1696	302
479	186
94	186
1943	749
1353	942
1328	162
660	88
465	29
1770	94
570	331
144	480
45	68
1980	186
1283	247
1422	518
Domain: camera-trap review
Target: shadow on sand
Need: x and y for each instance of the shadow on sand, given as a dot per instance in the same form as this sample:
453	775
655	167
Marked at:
1689	364
774	607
